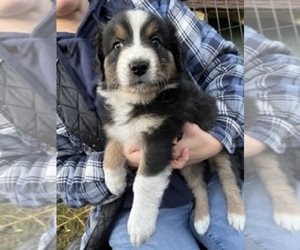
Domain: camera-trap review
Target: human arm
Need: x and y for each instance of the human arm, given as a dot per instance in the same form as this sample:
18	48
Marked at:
253	146
27	169
80	176
272	81
222	78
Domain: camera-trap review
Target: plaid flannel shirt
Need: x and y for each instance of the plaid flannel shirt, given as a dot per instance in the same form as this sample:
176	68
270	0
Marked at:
210	61
27	169
272	78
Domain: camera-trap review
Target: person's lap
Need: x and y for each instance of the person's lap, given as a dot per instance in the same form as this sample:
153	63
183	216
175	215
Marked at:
220	234
175	230
171	232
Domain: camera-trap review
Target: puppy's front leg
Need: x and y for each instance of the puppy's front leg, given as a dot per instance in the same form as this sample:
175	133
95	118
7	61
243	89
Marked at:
148	192
114	170
148	188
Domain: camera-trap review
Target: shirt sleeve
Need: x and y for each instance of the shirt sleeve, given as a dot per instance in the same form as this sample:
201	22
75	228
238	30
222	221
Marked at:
213	64
80	176
27	169
222	77
272	79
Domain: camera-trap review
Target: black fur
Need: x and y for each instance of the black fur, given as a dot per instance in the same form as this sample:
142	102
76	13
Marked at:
185	102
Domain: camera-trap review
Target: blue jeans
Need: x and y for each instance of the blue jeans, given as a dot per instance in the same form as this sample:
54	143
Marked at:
261	232
175	227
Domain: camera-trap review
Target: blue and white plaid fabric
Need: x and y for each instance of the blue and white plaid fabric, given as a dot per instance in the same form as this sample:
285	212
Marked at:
27	169
80	177
272	78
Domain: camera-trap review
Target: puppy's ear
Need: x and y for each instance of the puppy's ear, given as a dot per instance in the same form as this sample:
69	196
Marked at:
98	42
174	45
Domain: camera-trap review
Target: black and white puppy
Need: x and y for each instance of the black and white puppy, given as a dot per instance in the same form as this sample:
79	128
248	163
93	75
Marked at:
148	98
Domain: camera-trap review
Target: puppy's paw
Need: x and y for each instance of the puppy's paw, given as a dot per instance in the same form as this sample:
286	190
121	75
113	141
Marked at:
237	221
290	222
202	225
115	180
139	227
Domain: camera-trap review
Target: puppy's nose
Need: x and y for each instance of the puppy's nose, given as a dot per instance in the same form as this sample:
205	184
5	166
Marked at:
139	68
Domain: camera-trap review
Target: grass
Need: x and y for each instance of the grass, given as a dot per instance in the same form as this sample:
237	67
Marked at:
70	224
20	224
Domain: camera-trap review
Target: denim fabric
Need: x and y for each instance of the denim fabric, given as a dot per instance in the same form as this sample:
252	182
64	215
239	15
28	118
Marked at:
172	231
175	230
261	232
220	234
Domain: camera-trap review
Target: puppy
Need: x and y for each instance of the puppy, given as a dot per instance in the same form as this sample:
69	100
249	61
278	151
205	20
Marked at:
278	173
147	99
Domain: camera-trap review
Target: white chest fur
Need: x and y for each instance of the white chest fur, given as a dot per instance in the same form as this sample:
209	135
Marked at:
124	128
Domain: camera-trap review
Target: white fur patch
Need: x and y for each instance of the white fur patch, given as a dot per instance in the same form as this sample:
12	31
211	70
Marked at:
115	180
237	221
132	54
124	130
136	52
202	226
137	18
290	222
171	86
148	192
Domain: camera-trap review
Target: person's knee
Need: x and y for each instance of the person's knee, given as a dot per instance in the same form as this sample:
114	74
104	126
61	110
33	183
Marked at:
163	240
172	232
214	240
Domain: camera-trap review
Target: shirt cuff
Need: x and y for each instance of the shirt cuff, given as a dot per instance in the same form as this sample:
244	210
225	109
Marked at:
275	137
230	135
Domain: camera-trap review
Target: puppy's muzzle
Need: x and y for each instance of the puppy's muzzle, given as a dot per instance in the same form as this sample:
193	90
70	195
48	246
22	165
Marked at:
139	68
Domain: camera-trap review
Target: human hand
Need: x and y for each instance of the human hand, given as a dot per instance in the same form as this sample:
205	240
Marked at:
132	155
252	146
195	146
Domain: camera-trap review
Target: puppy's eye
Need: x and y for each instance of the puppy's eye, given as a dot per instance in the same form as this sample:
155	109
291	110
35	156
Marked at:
155	41
118	45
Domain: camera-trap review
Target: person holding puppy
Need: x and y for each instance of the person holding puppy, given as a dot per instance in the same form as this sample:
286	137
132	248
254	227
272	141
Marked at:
81	143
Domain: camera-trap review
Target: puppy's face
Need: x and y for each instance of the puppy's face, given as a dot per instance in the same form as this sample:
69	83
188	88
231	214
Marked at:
138	51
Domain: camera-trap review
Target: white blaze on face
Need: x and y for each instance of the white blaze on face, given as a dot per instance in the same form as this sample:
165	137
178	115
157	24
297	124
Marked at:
137	51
